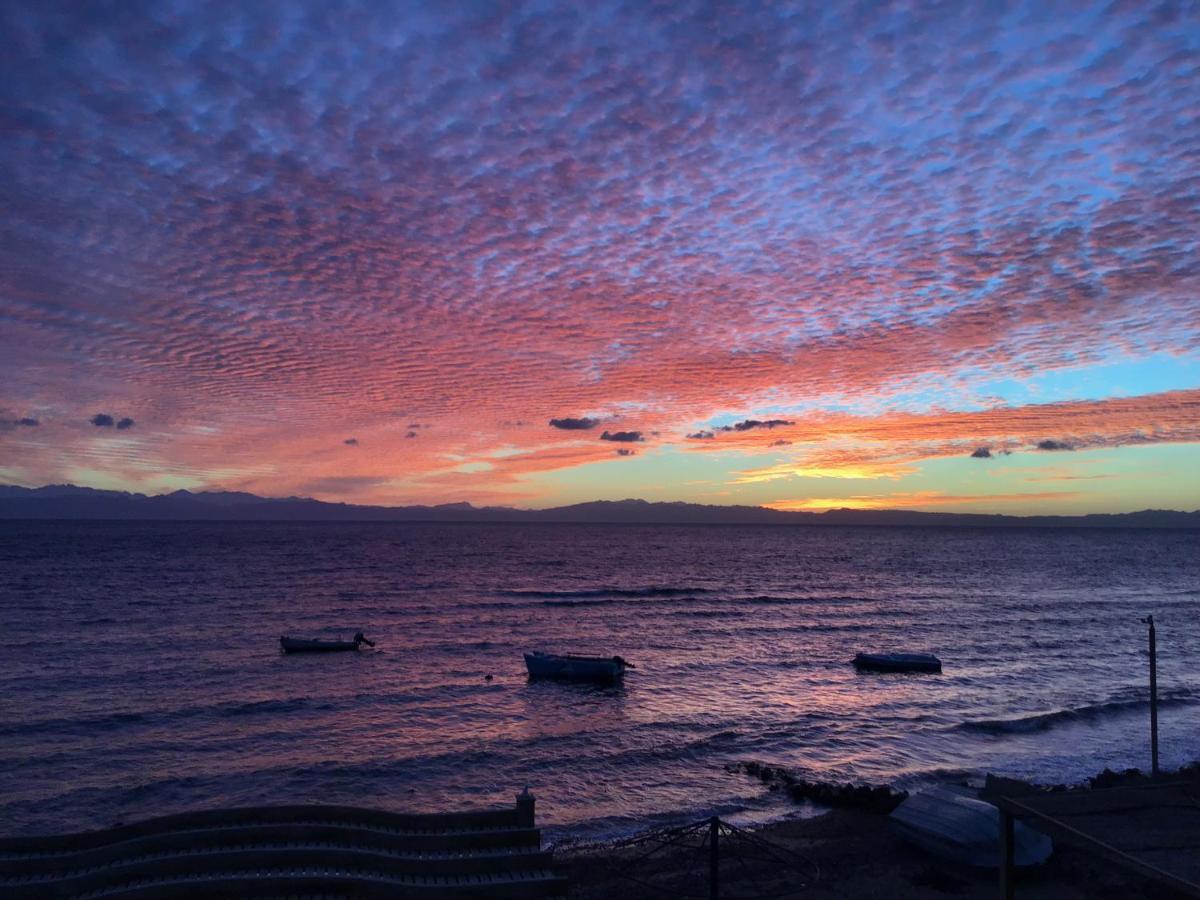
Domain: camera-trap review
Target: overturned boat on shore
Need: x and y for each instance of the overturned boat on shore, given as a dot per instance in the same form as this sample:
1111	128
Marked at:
898	662
601	669
954	824
300	645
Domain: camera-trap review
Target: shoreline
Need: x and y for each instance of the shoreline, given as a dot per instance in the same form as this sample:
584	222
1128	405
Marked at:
859	854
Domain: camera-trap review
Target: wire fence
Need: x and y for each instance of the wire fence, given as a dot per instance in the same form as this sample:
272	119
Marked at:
711	858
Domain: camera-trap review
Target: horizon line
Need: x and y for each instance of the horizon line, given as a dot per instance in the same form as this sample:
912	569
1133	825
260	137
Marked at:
814	512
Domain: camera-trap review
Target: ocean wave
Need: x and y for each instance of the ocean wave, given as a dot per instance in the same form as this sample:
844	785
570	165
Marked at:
1087	713
590	601
609	592
260	707
118	720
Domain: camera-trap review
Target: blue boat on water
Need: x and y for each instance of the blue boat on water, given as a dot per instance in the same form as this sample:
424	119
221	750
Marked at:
603	669
300	645
898	662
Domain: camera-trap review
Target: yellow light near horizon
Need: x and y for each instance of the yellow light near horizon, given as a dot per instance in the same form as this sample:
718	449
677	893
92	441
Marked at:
818	504
855	471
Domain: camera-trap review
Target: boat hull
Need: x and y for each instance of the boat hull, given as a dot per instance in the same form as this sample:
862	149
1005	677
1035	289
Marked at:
296	645
574	668
897	662
961	828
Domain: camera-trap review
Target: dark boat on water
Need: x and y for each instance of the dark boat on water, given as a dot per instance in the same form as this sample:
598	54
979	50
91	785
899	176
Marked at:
898	662
299	645
603	669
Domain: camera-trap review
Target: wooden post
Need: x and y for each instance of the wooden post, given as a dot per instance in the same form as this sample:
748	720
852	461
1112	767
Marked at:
1007	855
525	804
1149	620
714	859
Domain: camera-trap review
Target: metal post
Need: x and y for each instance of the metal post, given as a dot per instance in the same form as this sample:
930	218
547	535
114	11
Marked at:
714	859
1007	855
525	806
1149	620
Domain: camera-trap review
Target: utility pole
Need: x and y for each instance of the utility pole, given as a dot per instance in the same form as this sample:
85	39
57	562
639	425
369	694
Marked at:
1149	620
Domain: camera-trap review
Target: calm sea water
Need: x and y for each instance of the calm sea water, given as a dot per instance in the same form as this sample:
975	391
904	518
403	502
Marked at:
140	671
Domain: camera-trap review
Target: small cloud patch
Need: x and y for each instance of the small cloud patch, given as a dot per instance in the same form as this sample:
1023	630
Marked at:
781	443
627	437
351	442
750	424
11	424
625	451
981	453
567	423
104	420
1053	445
706	434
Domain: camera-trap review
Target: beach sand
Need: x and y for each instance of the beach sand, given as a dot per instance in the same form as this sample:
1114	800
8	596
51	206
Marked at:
859	856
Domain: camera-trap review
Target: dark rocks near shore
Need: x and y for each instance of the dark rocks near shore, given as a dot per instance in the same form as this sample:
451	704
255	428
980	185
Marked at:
880	799
883	799
1001	785
1108	778
1016	787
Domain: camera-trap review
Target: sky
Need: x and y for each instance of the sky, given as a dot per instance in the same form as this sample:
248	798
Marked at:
911	255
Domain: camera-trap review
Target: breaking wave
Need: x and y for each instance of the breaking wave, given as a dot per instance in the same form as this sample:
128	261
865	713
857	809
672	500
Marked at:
1087	713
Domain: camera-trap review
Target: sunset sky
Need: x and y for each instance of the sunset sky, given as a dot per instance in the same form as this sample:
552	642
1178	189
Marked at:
924	255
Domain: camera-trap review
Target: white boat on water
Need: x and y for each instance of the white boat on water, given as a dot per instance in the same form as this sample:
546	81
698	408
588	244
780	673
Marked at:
956	825
605	669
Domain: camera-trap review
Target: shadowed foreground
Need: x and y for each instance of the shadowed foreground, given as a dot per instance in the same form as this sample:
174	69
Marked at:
858	855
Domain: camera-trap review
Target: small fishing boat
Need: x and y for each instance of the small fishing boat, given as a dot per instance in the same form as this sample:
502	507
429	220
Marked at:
956	825
898	662
576	668
298	645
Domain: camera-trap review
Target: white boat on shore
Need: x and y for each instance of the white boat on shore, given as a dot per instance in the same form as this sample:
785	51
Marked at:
576	668
955	825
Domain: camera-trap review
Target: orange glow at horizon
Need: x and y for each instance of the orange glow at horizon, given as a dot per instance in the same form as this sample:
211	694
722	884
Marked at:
914	500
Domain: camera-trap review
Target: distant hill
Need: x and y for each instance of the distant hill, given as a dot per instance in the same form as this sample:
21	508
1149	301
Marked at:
65	501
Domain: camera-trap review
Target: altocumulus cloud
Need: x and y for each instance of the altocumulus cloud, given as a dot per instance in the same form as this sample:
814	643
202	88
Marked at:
296	179
627	437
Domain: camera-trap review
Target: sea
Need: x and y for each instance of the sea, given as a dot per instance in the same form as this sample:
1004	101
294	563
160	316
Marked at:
140	671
